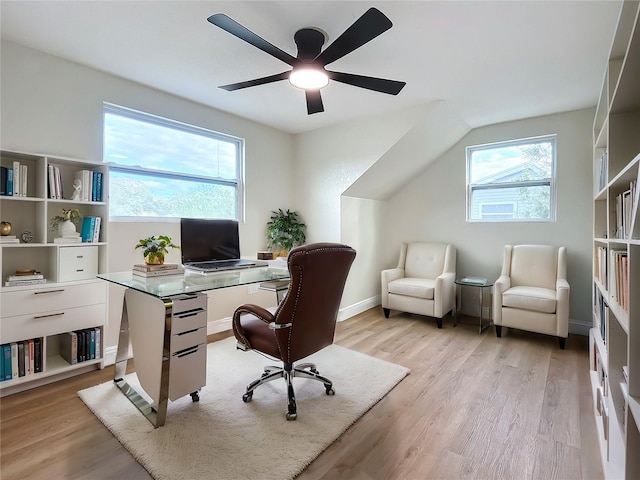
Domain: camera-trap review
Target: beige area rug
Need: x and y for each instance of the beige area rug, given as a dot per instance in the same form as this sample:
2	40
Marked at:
223	438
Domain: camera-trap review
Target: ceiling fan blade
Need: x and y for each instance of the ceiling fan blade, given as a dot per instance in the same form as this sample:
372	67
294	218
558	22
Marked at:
314	101
234	28
258	81
392	87
371	24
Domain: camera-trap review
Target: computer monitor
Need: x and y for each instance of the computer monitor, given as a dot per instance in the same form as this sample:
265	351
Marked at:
203	240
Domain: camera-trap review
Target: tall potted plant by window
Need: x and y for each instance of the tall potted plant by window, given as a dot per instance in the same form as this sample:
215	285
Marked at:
285	230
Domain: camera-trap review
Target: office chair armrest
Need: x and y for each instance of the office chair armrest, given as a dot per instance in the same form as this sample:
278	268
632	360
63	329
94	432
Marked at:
257	311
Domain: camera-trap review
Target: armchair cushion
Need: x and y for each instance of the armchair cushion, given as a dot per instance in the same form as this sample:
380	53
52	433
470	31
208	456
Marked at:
413	287
530	298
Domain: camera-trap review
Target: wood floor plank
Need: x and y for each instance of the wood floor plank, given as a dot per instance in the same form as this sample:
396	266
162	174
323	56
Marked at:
473	407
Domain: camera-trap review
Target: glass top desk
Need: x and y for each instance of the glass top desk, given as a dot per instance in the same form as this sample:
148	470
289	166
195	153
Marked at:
165	320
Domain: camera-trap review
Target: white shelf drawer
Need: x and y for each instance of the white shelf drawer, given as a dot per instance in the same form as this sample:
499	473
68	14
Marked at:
186	302
77	263
43	299
42	324
183	322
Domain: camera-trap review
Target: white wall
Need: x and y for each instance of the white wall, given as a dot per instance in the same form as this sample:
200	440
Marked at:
54	106
432	206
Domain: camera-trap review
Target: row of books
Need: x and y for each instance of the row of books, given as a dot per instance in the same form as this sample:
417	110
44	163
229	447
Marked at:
90	230
619	282
624	210
147	271
81	345
34	278
13	180
20	359
600	265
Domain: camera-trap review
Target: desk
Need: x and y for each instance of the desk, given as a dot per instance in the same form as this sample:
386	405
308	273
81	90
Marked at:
480	284
164	318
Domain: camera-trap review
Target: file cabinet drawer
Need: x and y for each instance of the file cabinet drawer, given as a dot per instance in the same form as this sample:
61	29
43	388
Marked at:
186	302
188	339
188	372
77	263
183	322
23	327
54	297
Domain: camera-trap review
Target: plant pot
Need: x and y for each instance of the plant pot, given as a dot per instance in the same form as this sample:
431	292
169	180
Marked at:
67	229
154	259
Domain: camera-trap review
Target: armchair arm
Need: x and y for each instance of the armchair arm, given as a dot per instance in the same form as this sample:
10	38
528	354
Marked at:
562	306
389	276
502	284
444	294
256	310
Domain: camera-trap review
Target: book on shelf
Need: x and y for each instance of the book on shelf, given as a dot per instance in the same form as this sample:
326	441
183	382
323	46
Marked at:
69	347
16	179
6	354
20	283
23	179
9	239
20	359
90	230
77	239
14	360
159	273
37	355
98	348
29	276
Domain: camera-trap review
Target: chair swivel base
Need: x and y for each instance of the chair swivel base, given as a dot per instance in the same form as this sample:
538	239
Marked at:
288	371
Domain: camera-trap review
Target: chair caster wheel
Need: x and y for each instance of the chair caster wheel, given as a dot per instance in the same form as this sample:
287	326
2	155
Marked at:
330	391
195	396
246	398
291	416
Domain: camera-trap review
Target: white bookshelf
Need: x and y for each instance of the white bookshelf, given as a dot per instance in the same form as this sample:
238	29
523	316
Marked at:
615	336
72	298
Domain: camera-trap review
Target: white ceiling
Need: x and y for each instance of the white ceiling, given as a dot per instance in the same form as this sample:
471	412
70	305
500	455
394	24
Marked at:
491	61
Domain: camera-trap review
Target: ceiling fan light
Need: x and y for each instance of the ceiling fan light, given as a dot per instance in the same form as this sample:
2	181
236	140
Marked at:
309	78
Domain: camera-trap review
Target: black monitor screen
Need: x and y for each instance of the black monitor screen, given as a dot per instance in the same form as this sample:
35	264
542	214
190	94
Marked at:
203	240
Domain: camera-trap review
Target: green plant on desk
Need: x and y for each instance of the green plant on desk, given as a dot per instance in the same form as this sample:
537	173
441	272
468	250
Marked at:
155	248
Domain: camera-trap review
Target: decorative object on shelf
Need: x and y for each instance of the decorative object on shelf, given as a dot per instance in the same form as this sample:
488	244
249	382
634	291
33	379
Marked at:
5	228
155	248
77	186
65	223
285	230
26	236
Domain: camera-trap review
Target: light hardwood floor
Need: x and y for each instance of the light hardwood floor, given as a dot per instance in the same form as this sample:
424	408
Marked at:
474	406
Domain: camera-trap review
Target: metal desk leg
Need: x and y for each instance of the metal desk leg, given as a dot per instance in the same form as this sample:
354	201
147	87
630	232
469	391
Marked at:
157	416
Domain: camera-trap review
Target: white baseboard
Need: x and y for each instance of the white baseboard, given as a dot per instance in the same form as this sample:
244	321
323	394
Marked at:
359	307
220	325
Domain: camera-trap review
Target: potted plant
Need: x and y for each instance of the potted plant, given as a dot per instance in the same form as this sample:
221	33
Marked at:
66	222
155	248
285	230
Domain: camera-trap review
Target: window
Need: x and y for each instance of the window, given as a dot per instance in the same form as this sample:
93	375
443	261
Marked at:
512	181
160	168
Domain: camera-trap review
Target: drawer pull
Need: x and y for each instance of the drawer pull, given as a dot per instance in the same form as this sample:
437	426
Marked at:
49	291
50	315
188	314
80	256
187	351
188	331
80	270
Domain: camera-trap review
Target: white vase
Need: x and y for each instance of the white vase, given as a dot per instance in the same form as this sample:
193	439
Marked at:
67	229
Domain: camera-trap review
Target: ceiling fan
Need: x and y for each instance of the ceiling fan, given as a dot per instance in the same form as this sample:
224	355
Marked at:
308	70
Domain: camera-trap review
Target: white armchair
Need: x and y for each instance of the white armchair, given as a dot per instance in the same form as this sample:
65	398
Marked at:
532	292
423	282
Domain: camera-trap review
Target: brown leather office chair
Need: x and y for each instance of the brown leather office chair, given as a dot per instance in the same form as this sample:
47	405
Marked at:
305	320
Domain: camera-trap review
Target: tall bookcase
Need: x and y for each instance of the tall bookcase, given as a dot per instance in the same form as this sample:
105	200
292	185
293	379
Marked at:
615	336
72	299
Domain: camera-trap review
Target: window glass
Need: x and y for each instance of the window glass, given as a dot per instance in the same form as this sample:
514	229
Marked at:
512	181
164	169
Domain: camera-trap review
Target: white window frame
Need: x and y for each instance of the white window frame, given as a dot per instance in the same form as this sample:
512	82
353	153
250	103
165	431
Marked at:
177	125
551	182
482	204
